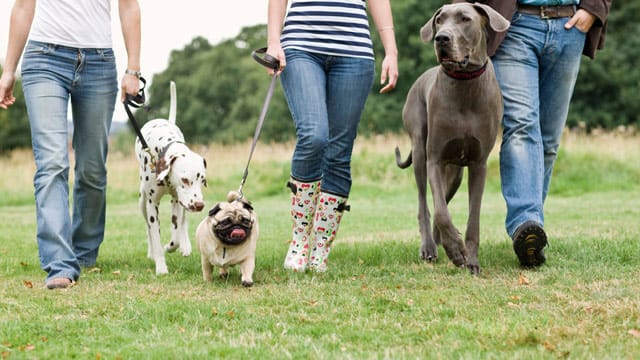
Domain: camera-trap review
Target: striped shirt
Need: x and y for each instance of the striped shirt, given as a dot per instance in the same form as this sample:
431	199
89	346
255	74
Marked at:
332	27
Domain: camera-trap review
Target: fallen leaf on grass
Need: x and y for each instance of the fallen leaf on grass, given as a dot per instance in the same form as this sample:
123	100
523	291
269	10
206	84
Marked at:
27	347
634	332
23	264
28	284
95	270
512	305
522	280
549	346
117	272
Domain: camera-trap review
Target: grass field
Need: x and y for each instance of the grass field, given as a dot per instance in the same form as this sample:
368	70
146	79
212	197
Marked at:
378	299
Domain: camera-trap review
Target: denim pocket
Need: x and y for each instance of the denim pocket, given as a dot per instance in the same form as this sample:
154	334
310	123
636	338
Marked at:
107	55
516	17
36	48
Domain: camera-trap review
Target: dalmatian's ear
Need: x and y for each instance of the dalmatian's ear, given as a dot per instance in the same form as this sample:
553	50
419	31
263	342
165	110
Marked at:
163	167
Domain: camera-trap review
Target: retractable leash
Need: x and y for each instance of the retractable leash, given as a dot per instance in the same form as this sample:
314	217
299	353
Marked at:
137	101
272	63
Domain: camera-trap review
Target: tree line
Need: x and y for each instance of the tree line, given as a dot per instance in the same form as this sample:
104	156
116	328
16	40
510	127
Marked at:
222	89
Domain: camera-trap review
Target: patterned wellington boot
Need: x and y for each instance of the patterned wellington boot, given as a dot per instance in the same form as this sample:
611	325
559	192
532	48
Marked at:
303	206
325	227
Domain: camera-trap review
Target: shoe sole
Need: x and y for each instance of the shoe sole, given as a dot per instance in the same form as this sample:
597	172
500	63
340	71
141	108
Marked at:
528	243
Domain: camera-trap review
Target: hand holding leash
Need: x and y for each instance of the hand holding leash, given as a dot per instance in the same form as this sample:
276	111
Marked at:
137	101
266	60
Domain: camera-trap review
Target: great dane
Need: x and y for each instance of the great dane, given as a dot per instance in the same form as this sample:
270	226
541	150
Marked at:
452	114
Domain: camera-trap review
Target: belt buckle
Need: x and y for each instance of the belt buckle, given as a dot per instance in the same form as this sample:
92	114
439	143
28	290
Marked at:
543	12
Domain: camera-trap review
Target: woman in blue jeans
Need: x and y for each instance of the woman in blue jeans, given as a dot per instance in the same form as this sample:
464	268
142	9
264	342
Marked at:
69	58
537	63
327	71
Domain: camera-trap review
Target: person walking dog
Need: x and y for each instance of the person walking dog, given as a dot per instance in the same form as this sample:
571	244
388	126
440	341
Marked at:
327	71
537	63
69	57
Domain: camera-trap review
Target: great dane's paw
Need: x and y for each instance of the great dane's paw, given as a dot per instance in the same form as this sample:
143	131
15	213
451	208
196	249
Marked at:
457	255
474	269
223	274
247	283
429	252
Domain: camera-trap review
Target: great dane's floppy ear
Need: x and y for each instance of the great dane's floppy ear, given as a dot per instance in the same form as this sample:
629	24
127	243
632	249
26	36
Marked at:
426	33
497	22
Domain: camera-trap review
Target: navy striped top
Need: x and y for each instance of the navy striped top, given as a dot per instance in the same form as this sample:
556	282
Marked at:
332	27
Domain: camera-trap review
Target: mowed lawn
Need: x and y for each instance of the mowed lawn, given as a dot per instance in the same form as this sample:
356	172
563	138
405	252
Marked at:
378	300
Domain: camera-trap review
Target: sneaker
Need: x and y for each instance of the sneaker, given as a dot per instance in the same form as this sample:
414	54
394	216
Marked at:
59	283
529	241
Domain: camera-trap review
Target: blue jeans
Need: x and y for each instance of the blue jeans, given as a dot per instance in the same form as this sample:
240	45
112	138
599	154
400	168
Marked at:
326	96
536	66
51	76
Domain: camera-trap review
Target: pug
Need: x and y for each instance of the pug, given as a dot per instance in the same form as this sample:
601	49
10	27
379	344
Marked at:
228	237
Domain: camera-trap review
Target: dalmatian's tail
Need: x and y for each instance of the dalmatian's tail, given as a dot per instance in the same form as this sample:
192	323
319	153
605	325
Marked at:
173	104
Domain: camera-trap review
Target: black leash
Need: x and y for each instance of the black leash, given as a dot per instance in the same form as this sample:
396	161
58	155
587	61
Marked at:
137	101
272	63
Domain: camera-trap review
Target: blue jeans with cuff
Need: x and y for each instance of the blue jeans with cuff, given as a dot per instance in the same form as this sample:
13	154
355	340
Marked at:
326	96
537	65
53	76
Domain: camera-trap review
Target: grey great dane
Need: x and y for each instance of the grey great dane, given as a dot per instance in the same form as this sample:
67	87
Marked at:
452	114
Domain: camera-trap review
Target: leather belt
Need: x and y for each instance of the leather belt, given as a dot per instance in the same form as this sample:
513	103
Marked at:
548	12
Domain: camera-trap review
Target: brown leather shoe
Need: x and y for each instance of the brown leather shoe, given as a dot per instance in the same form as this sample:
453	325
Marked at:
59	283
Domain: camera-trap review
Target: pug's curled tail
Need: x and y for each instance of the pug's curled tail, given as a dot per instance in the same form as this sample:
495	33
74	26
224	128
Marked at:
403	164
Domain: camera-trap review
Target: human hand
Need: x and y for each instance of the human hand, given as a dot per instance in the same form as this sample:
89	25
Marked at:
6	90
582	20
130	85
277	52
389	73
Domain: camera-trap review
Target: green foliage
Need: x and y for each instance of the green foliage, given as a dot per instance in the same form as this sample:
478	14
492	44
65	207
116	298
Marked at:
606	95
14	123
383	112
221	89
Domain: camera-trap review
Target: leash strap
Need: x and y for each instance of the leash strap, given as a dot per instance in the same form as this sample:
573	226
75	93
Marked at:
272	63
136	101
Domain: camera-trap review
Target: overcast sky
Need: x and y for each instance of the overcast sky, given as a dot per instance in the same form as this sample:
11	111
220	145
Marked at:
169	25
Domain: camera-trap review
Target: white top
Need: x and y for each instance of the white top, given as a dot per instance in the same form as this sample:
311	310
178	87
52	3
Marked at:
333	27
73	23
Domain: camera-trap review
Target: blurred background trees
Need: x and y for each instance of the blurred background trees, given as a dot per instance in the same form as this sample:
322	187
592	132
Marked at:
221	89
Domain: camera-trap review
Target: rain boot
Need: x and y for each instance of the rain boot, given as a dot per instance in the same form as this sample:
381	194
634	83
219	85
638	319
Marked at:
325	227
304	199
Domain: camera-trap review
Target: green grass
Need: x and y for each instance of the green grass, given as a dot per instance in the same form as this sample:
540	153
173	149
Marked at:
378	300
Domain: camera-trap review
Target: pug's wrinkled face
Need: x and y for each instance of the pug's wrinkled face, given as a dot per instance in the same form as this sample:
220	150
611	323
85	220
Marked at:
233	221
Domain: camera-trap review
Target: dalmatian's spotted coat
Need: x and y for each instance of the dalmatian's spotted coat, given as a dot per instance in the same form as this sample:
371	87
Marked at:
169	167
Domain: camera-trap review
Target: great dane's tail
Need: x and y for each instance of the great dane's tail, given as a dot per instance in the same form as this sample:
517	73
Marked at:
173	103
403	164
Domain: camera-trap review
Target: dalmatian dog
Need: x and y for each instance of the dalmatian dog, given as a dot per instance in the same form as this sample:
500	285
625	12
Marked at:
168	167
